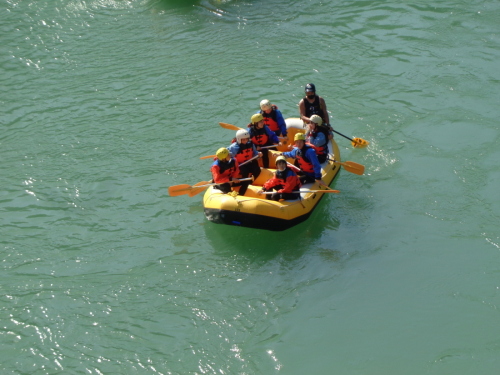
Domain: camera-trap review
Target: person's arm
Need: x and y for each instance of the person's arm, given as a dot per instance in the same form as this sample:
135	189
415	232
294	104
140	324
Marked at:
319	141
233	149
254	151
302	111
236	171
325	111
327	117
217	176
294	167
281	123
291	154
272	136
311	154
291	183
269	184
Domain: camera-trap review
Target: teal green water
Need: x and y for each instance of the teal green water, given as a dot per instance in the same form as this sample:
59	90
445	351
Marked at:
106	103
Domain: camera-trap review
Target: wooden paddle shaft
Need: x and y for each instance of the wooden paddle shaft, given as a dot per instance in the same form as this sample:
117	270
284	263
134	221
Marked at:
304	191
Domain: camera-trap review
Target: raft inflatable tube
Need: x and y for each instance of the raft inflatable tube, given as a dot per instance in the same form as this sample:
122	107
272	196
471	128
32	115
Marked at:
254	211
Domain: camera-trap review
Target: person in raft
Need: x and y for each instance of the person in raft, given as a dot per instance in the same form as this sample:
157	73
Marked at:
261	136
317	136
284	181
273	118
312	104
224	170
305	155
243	150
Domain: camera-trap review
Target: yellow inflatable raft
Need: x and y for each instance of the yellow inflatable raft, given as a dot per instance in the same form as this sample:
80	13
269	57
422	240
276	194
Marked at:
255	211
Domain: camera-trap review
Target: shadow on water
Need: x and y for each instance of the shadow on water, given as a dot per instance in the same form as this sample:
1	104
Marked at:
291	243
172	4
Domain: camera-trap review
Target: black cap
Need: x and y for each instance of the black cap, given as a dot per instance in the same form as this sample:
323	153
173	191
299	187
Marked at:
310	87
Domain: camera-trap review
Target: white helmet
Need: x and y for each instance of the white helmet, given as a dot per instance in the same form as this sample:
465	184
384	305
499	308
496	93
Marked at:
241	134
316	119
280	158
265	104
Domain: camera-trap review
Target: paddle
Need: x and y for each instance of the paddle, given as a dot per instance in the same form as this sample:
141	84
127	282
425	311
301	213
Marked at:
213	156
201	186
305	191
229	126
234	127
356	142
248	161
176	190
297	169
183	189
208	157
269	146
294	167
351	166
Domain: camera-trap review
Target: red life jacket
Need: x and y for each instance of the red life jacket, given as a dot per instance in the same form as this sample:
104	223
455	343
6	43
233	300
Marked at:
270	119
290	180
304	163
245	152
286	180
224	171
320	150
259	137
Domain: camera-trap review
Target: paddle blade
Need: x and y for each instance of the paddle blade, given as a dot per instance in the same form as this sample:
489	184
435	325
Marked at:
353	167
359	142
229	126
197	189
177	190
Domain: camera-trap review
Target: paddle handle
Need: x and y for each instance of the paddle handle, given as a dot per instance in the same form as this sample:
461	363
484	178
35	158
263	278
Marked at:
294	167
215	183
249	160
213	156
269	146
345	164
356	142
304	191
225	125
208	157
345	136
246	179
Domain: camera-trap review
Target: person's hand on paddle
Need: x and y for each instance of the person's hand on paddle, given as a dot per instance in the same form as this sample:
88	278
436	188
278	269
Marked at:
330	131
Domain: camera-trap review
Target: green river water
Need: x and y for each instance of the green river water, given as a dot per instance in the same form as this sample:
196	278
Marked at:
107	103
